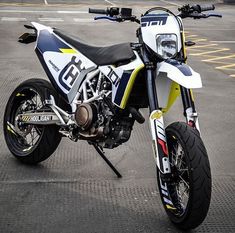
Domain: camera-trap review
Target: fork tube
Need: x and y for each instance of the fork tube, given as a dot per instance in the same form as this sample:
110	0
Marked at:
160	148
151	88
189	108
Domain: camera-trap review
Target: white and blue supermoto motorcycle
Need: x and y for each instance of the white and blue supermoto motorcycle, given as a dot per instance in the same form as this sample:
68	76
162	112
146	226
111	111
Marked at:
95	94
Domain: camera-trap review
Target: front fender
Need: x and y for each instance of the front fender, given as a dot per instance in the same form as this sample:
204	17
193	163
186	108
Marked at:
180	73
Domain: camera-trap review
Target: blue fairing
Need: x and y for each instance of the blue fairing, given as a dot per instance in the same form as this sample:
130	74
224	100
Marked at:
49	42
181	66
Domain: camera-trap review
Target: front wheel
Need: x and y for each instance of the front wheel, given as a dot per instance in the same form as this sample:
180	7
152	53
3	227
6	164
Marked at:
189	189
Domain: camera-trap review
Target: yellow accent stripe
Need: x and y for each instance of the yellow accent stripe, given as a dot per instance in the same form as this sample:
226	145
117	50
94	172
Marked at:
170	207
174	93
19	94
191	92
183	45
156	115
68	51
130	85
10	129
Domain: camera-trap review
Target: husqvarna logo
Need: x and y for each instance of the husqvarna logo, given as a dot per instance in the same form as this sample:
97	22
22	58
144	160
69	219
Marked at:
70	73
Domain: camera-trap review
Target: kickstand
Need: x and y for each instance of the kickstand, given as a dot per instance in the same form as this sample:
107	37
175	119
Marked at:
101	153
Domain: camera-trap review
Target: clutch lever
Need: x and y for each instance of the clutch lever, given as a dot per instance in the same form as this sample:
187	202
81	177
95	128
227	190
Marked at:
196	15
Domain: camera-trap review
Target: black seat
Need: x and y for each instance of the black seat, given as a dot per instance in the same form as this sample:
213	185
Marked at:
120	53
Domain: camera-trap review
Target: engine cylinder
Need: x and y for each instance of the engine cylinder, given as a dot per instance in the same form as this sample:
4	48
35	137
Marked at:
84	115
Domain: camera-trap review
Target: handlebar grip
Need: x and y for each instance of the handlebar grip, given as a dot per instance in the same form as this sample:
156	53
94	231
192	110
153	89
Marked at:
97	11
207	7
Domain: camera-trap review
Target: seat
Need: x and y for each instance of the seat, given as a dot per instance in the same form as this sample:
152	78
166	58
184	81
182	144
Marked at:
120	53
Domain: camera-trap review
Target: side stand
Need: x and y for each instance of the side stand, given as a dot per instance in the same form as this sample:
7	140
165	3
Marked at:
101	153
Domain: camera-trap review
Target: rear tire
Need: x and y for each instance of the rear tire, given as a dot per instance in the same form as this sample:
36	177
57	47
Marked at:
191	173
30	144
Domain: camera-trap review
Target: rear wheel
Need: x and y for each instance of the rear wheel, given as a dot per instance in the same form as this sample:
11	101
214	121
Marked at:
190	188
30	144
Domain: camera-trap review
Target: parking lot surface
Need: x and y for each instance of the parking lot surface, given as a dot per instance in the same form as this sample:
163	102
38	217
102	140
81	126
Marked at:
74	190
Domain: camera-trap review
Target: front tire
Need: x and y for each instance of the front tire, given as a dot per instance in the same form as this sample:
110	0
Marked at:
30	144
190	186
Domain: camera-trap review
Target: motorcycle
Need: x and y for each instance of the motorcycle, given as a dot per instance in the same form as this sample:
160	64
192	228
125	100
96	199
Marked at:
95	94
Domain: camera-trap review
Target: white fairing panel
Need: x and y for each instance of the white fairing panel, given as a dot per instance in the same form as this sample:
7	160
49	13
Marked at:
157	24
65	66
179	73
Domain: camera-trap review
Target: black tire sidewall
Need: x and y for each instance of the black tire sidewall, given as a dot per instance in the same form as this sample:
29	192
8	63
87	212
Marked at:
38	86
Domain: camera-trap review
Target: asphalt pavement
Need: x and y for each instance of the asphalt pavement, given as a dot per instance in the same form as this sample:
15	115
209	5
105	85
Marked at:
74	190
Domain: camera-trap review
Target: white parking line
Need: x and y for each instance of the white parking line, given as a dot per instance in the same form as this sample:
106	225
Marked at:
71	12
51	19
13	19
82	20
45	1
224	41
171	3
35	11
112	4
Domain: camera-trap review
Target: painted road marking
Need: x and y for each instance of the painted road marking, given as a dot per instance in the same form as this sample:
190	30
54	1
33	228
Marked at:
112	4
232	75
226	67
219	58
211	29
190	36
45	1
171	3
13	19
71	12
202	46
200	40
51	19
82	20
210	52
223	41
35	11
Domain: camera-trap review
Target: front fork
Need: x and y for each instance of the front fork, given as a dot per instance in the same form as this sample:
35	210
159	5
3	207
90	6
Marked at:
157	127
189	108
159	139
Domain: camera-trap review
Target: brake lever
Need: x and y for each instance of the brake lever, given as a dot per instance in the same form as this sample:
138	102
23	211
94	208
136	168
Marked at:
106	17
202	15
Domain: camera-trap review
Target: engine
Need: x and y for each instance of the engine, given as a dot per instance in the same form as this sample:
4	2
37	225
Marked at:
102	123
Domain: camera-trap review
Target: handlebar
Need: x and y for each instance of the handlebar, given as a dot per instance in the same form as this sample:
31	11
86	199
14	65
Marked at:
207	8
186	11
114	14
195	11
109	11
97	11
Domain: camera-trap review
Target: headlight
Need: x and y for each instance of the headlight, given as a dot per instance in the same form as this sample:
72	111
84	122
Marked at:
166	45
